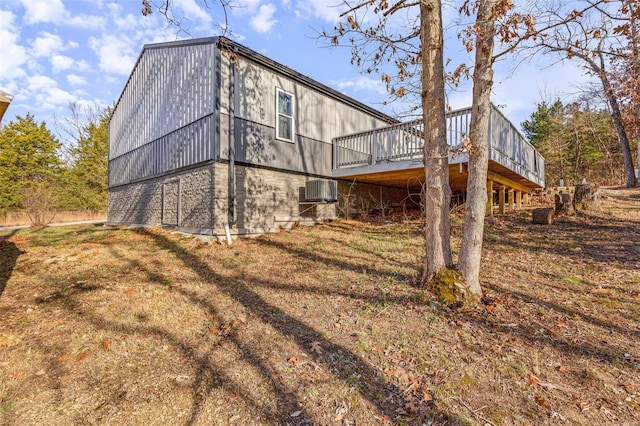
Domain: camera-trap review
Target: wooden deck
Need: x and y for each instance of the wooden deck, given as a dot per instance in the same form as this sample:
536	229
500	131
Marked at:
392	156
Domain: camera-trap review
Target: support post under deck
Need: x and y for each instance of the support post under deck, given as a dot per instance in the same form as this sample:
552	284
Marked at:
489	209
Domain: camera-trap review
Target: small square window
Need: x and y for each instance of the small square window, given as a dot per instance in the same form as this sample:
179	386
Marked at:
284	119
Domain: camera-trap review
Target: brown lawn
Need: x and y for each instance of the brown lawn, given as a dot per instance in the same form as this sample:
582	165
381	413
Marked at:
322	325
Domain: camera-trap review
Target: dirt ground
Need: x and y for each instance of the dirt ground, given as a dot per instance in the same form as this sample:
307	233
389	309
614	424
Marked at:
322	325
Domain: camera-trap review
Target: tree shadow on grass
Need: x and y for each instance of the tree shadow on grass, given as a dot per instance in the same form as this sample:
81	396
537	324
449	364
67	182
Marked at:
9	253
207	368
374	386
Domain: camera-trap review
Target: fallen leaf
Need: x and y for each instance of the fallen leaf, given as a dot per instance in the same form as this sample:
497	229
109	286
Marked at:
296	413
214	329
41	373
533	380
81	356
563	369
541	401
376	348
105	344
293	361
426	396
315	347
128	291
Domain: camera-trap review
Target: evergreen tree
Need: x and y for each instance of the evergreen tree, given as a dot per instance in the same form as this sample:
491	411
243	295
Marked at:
87	176
28	157
540	126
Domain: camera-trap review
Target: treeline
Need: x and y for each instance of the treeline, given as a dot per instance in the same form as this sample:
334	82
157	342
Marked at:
578	142
40	176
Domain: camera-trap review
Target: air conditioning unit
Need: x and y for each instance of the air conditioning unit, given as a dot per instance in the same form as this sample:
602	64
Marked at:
321	190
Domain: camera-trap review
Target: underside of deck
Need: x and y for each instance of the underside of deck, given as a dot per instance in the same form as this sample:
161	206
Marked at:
411	175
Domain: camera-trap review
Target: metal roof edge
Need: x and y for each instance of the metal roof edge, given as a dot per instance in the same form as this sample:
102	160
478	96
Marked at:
267	62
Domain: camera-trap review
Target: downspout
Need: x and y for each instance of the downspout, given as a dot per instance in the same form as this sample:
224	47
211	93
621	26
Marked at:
232	139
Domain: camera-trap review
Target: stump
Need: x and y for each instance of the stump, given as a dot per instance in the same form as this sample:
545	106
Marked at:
543	216
563	204
586	196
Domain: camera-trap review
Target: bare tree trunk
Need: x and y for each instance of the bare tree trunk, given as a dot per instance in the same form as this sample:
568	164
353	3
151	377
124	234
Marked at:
618	123
471	249
436	156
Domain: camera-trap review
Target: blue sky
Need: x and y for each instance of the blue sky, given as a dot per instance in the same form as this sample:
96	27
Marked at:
53	52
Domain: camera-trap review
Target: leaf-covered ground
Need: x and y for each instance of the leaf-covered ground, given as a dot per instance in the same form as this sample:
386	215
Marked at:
322	325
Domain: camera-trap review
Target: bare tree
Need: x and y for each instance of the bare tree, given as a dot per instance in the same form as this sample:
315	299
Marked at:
594	38
406	49
166	8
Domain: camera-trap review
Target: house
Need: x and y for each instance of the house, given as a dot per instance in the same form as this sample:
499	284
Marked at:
210	136
5	100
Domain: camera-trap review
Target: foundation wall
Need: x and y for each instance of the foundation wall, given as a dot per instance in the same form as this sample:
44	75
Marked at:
182	199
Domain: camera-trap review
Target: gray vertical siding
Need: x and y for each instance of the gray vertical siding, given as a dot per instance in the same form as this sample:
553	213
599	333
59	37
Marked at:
164	118
175	112
318	118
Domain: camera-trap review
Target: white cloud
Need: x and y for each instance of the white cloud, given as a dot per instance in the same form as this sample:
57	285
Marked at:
43	11
61	63
85	21
362	83
45	45
46	92
116	55
54	12
41	82
327	10
82	65
76	80
264	20
243	7
191	10
12	55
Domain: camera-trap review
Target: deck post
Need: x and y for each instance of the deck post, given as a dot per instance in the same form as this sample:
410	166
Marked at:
526	200
501	190
489	210
511	199
518	200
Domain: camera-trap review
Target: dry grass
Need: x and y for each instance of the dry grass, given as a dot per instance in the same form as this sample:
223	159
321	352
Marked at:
322	325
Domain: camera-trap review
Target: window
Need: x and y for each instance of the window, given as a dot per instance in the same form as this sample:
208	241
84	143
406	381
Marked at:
284	115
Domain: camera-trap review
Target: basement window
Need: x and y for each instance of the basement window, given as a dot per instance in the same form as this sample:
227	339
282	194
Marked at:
284	115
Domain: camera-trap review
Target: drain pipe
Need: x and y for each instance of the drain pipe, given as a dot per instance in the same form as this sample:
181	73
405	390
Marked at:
231	199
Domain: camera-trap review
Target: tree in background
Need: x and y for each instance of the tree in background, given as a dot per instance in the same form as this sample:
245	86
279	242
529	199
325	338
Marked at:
86	177
29	158
540	126
594	39
577	141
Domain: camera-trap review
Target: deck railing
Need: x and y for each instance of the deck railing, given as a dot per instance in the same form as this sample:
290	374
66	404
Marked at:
404	141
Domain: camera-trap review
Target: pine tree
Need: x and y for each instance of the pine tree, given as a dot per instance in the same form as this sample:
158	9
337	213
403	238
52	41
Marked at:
28	157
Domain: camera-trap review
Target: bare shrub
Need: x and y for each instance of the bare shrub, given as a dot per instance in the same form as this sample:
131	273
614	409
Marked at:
39	202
